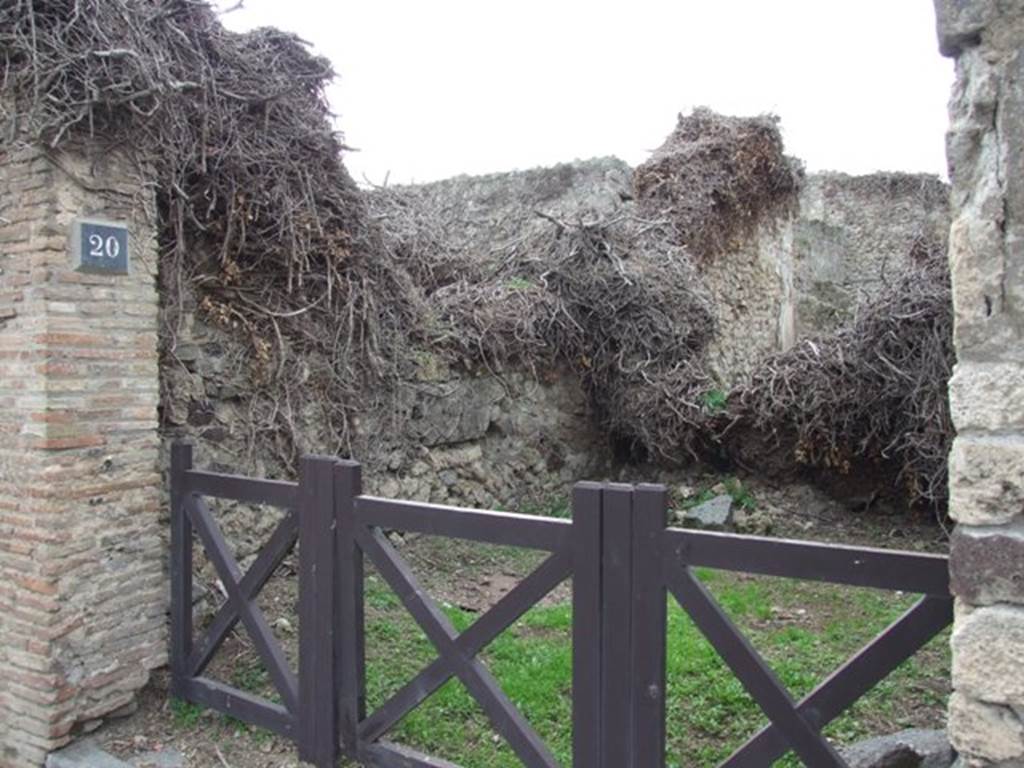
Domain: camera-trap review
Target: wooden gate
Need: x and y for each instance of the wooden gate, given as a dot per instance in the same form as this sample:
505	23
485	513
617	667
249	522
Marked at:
662	561
623	562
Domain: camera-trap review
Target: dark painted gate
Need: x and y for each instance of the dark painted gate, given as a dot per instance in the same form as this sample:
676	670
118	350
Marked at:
623	562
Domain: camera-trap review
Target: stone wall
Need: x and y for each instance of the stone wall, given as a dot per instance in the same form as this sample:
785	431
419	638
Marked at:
804	271
752	290
853	233
507	439
985	148
799	271
478	439
81	578
795	274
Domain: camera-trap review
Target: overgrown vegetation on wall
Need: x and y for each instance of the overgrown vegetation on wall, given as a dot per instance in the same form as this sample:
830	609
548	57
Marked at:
715	177
333	290
259	218
610	297
871	398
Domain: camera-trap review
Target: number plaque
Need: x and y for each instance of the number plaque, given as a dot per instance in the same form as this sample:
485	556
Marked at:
99	246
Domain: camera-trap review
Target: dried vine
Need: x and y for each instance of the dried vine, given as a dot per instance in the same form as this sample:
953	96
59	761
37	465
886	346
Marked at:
606	294
875	392
265	233
259	218
717	176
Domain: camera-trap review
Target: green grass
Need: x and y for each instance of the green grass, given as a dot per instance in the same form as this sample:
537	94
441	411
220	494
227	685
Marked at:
805	630
552	506
519	283
715	400
185	714
709	713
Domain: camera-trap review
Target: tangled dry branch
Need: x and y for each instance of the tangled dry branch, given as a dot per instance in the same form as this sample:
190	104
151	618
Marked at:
260	219
331	287
873	393
606	294
716	176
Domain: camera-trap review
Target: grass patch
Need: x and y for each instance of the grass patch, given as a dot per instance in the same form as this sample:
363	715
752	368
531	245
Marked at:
805	631
185	714
714	400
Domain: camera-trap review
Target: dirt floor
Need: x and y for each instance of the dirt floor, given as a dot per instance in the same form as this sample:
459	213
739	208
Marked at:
472	578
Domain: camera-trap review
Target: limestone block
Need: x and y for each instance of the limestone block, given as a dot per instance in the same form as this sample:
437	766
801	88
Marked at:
987	564
714	515
454	412
1010	118
84	754
976	253
984	731
988	655
986	480
987	396
960	23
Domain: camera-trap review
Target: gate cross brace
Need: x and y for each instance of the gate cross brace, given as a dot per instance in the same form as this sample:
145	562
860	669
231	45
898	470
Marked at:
549	574
751	670
242	602
506	719
897	643
259	573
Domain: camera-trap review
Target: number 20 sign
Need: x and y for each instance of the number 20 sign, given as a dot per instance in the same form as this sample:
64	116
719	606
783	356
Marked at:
99	247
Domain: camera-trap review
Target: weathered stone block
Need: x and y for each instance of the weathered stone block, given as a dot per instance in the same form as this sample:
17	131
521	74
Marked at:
986	477
988	655
987	564
987	397
960	23
984	731
983	326
454	412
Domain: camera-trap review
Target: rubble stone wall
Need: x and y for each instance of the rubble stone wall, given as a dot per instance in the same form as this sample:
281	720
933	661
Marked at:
481	439
854	233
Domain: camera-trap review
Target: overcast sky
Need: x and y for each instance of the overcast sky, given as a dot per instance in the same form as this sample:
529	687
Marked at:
434	88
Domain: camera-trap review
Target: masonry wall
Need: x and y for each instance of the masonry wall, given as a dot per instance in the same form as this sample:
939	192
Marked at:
986	156
753	295
478	439
853	234
81	578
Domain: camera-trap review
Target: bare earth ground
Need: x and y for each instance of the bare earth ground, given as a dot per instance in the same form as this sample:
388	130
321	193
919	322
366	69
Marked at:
472	578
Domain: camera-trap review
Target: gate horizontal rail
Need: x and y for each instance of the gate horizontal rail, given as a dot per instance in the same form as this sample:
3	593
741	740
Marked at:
925	574
624	563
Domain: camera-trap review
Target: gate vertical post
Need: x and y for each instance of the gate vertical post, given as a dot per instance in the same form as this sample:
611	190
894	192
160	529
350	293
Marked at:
181	570
617	724
317	730
650	513
350	648
586	624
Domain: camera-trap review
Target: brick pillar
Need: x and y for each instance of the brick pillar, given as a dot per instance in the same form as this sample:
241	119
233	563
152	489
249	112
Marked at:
986	157
81	583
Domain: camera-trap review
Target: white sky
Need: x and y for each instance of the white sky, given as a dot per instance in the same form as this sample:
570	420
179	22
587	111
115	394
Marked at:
433	88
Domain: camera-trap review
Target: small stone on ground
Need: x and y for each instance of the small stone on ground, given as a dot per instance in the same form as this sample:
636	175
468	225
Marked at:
914	748
713	515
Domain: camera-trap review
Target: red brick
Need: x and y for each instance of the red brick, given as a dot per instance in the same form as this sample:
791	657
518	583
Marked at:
65	443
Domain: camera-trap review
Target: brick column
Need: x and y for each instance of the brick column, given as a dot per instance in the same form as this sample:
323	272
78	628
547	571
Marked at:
81	581
986	157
